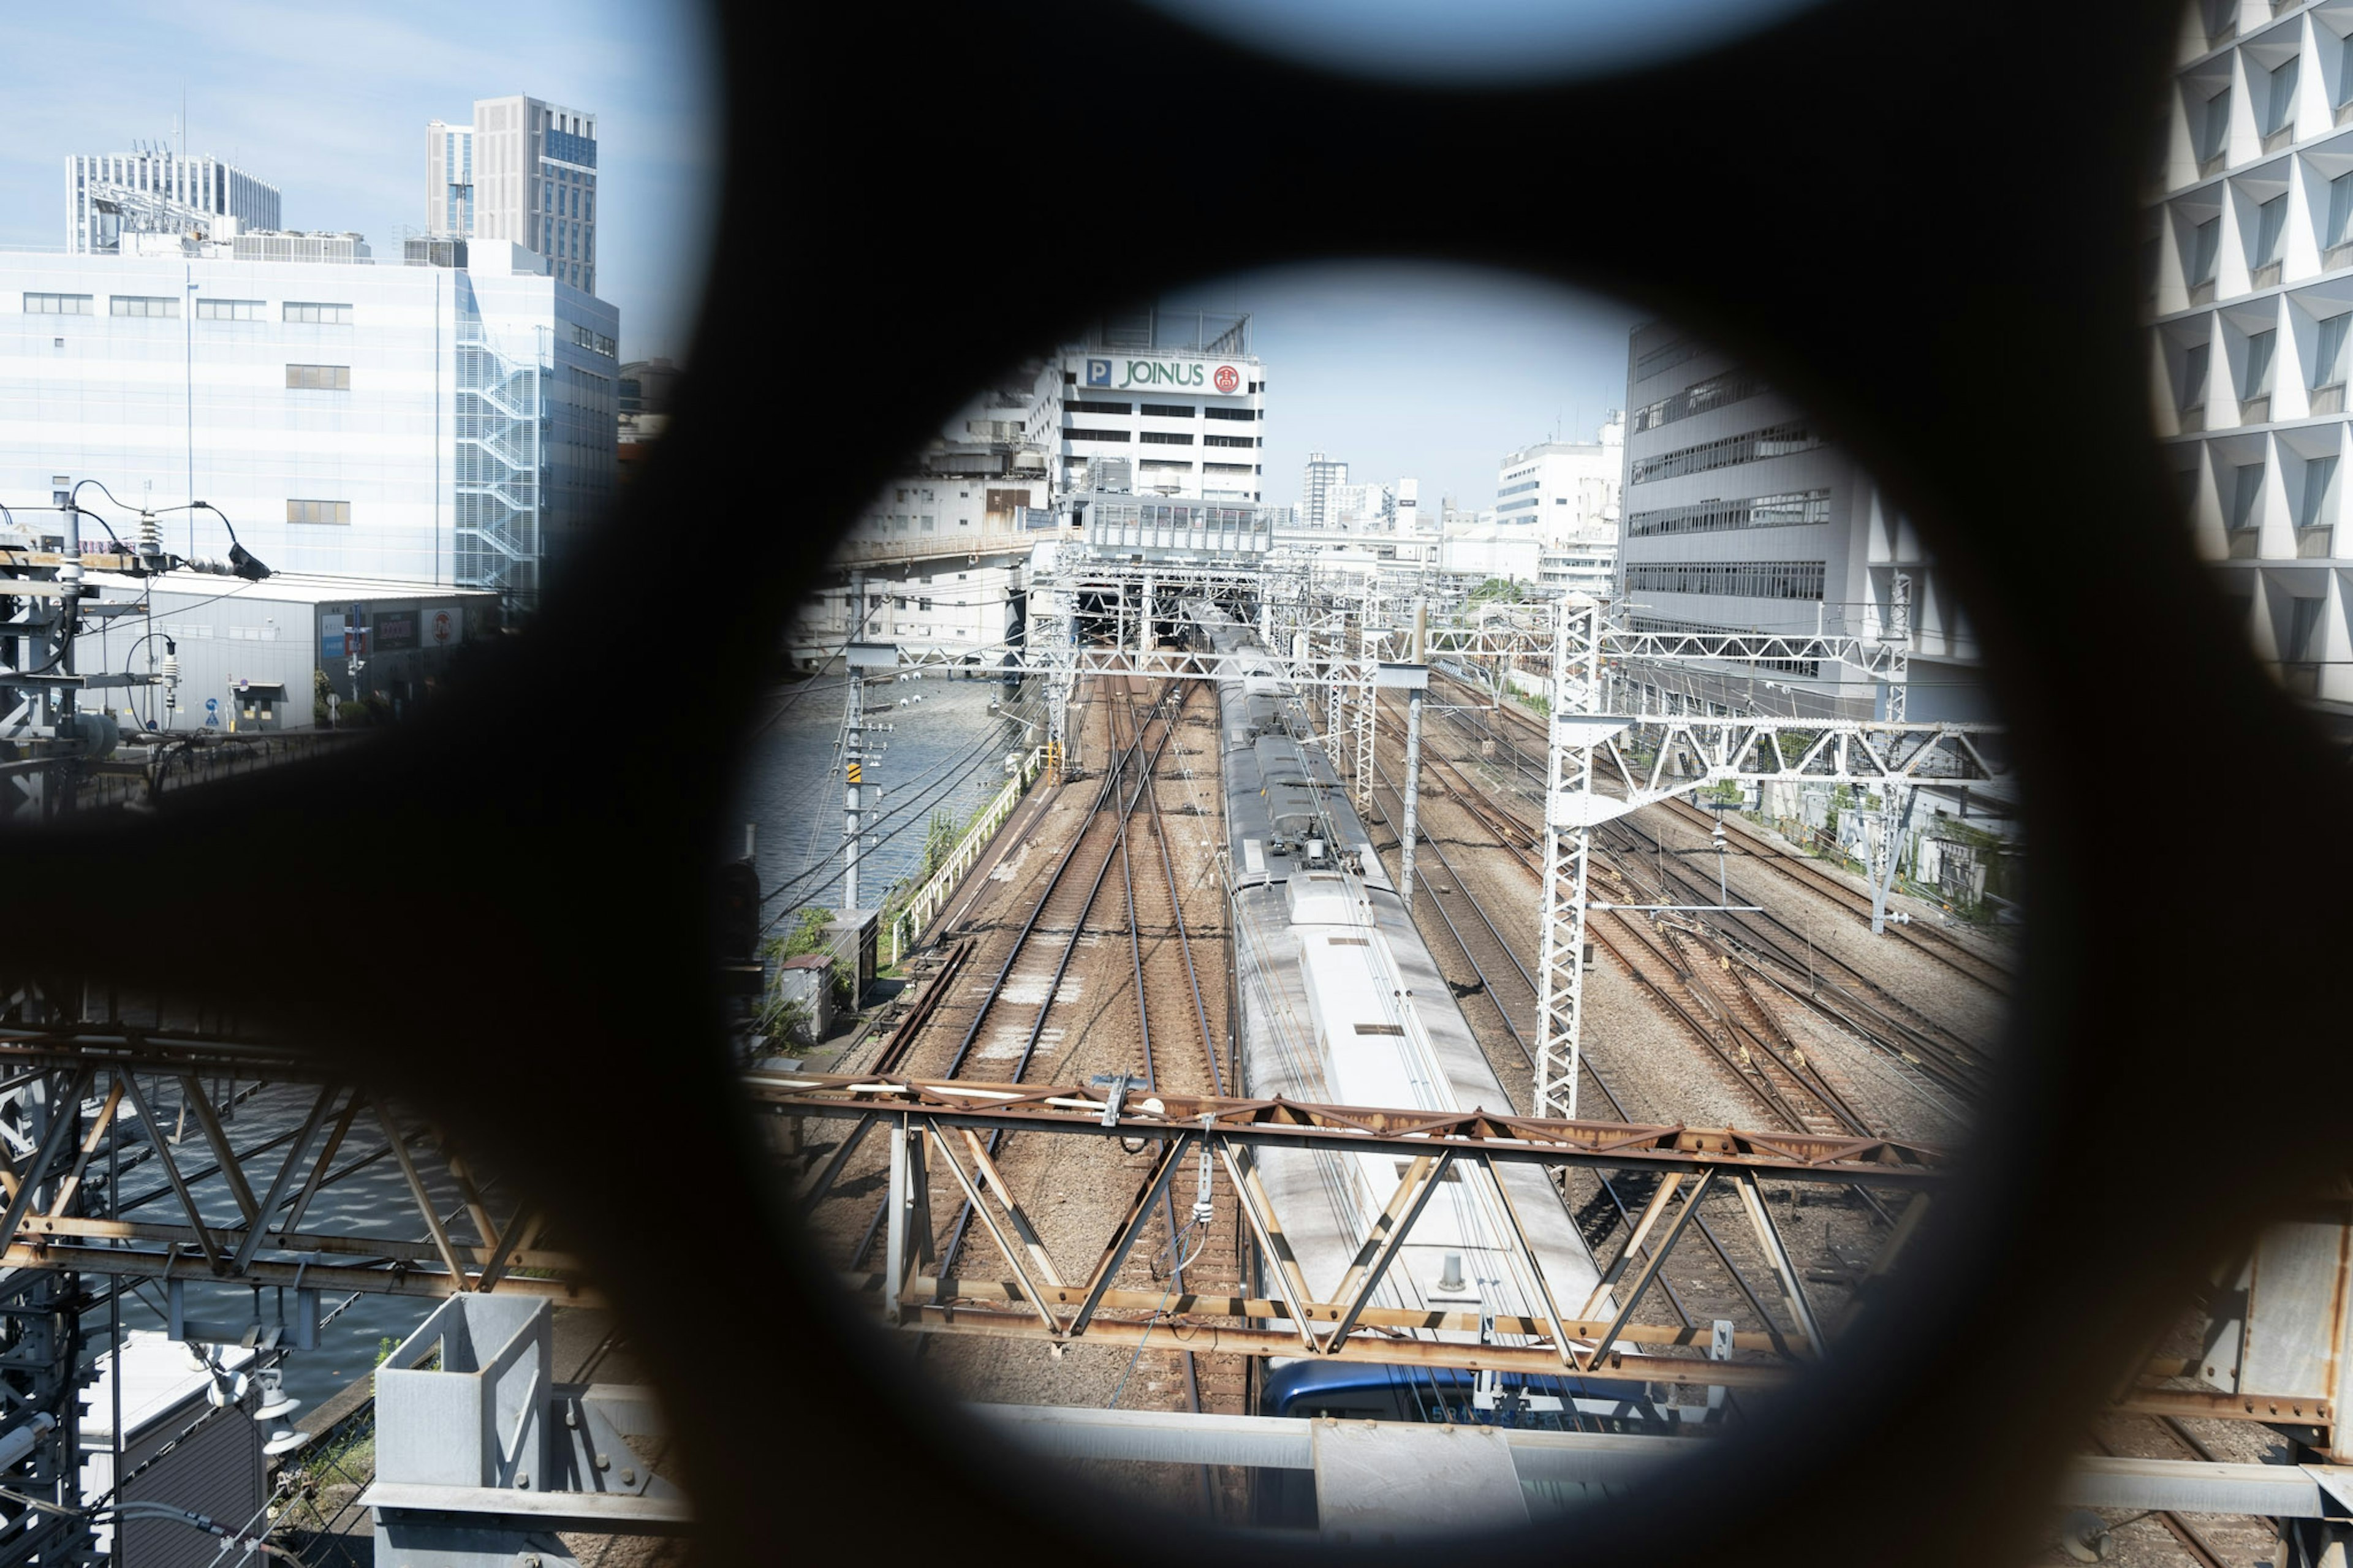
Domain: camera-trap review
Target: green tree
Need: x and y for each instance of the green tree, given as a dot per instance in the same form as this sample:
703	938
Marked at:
806	935
940	838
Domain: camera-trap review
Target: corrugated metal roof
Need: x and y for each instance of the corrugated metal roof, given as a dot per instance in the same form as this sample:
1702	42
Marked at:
159	1373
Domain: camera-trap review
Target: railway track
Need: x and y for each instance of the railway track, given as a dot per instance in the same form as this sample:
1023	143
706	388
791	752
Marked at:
1939	946
1762	946
1106	964
1510	978
1989	972
1720	1012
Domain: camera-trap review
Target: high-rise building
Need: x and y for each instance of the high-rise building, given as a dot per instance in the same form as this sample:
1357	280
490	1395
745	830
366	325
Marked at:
448	180
419	423
525	172
1741	514
152	190
1172	403
2247	256
1323	475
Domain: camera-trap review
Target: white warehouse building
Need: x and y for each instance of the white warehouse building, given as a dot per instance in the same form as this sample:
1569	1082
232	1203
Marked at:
2248	267
425	423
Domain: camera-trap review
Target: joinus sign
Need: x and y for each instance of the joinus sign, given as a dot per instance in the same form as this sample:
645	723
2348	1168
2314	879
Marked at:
1103	373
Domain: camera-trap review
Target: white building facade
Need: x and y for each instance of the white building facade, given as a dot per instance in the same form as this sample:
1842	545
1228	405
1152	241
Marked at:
1177	397
1365	508
99	188
417	423
1740	513
1566	489
2248	272
524	172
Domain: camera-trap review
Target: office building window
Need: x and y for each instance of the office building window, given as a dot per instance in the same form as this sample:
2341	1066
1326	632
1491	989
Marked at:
2193	377
1076	434
2328	356
319	377
1712	392
2340	210
1170	410
1729	579
57	304
2270	222
1161	465
2215	134
2280	108
2259	363
2319	485
1122	409
319	511
1165	438
2246	488
2205	251
1792	509
228	309
1230	413
143	305
317	314
1775	441
1225	468
1228	440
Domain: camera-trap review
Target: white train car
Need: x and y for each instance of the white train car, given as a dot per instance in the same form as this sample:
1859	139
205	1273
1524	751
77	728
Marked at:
1340	1002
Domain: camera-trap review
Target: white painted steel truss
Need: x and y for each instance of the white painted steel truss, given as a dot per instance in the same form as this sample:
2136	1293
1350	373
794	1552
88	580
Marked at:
1653	759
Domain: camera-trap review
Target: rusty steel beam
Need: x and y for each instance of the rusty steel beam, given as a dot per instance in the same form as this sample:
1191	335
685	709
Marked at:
399	1279
72	1227
1083	1111
1192	1304
1220	1339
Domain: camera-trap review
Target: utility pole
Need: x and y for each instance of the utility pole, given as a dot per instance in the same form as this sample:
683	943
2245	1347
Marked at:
853	735
1895	800
1416	680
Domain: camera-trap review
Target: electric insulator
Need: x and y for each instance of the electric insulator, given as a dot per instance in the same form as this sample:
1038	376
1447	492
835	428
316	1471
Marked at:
151	535
171	683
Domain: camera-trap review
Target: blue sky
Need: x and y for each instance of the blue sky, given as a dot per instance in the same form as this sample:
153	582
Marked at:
1398	369
1427	370
328	104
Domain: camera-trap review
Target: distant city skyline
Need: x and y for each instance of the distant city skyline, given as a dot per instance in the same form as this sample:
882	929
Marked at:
1420	371
347	150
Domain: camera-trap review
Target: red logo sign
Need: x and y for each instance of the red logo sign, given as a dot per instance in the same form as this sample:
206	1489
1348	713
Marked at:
1228	378
441	628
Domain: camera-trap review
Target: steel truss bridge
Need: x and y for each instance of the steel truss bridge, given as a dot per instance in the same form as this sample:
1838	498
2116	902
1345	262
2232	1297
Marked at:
938	1132
123	1170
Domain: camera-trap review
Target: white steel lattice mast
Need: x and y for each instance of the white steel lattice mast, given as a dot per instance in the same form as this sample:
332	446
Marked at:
1366	720
1895	800
1571	809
